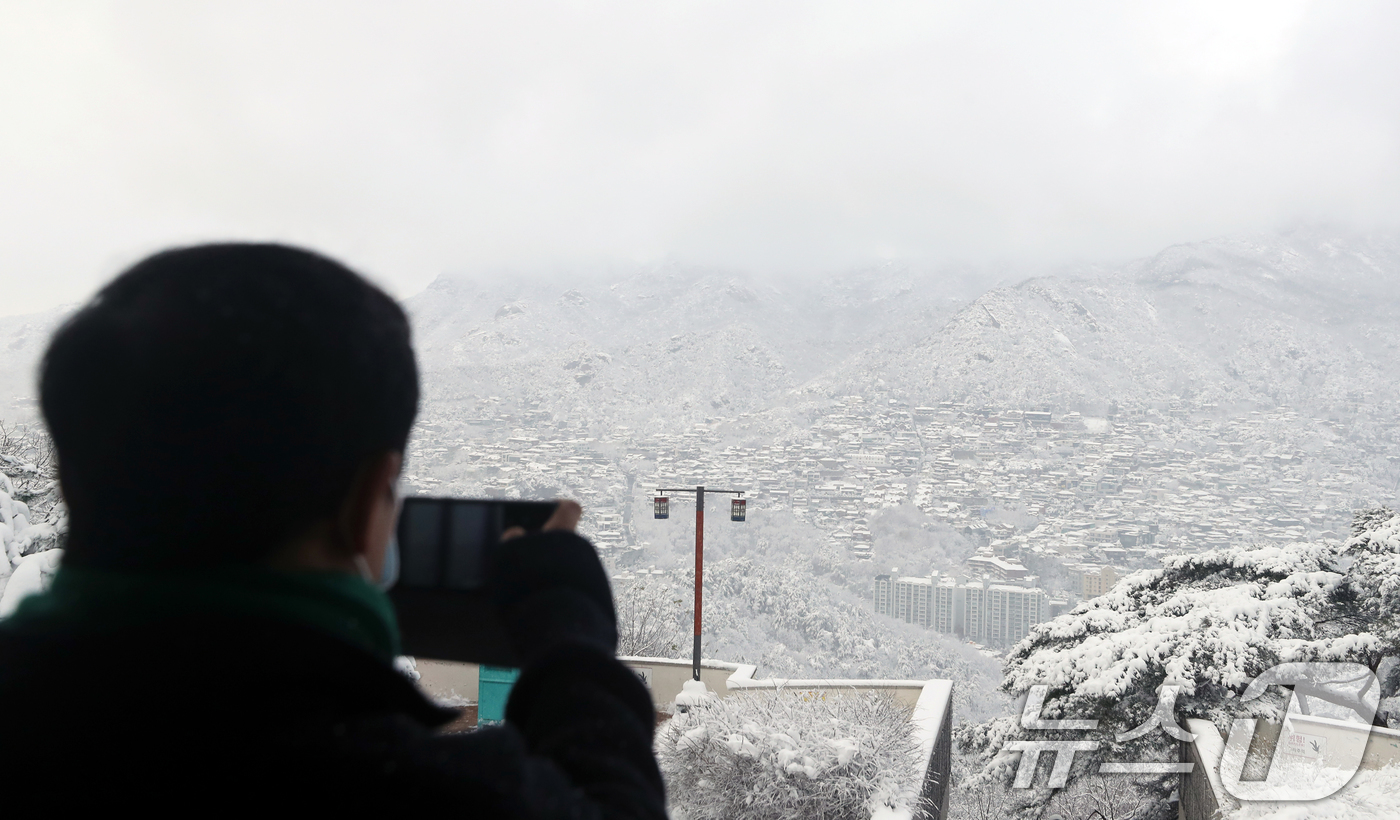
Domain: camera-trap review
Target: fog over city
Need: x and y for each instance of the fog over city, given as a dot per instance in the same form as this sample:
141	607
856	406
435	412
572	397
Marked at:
1051	344
420	138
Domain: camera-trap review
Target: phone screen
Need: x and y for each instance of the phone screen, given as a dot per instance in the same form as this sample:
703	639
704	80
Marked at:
447	549
444	545
448	543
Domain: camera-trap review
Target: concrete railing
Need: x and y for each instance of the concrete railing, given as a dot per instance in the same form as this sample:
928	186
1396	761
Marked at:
664	677
905	692
933	726
931	702
1203	795
449	682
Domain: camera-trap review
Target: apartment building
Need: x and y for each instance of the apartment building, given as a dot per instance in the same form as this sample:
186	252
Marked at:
1010	613
1095	582
982	611
984	563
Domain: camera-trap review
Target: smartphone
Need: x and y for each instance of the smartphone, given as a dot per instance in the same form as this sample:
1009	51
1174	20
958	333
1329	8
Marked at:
447	552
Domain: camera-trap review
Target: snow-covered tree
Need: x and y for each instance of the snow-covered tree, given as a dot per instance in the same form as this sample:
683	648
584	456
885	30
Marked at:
781	754
1110	797
1199	630
975	796
791	619
1369	602
32	514
650	619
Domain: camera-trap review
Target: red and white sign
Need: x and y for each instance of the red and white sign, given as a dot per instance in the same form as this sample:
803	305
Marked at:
1309	746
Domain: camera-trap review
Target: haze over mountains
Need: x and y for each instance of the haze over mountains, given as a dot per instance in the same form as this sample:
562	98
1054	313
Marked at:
1306	319
23	340
1310	318
673	344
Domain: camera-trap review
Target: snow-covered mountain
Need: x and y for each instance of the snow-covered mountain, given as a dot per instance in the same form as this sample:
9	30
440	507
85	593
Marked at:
23	340
669	343
1307	319
1310	318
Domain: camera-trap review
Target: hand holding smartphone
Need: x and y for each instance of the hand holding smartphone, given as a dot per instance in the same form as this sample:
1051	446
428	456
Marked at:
447	554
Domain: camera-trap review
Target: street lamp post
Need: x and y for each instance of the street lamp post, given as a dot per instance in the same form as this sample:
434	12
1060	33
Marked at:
737	513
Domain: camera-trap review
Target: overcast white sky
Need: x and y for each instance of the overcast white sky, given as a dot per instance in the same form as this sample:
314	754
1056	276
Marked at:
410	138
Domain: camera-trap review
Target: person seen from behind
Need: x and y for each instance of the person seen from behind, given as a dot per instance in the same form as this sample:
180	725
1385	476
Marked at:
230	422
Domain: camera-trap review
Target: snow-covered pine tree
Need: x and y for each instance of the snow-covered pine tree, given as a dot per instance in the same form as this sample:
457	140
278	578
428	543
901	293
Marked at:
1206	624
1368	604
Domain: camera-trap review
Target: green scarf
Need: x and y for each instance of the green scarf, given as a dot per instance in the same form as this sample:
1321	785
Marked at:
339	603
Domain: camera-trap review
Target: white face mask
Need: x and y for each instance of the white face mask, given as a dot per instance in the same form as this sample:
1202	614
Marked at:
389	573
389	570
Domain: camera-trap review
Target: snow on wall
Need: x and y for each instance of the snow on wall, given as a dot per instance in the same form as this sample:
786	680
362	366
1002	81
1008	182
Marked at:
779	754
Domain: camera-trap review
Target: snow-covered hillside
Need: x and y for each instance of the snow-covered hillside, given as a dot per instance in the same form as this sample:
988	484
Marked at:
1307	319
672	343
798	613
23	340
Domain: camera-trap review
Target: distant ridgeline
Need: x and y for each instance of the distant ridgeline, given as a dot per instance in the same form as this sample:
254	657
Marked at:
1303	319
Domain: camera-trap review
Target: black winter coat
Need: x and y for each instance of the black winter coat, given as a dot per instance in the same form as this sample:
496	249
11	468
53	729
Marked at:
209	714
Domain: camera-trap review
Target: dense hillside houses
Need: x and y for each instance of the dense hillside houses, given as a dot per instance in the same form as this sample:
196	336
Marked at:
1075	500
1230	392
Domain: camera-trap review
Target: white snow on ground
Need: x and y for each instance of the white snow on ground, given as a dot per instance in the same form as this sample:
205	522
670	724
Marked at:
31	576
1371	794
407	666
785	753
